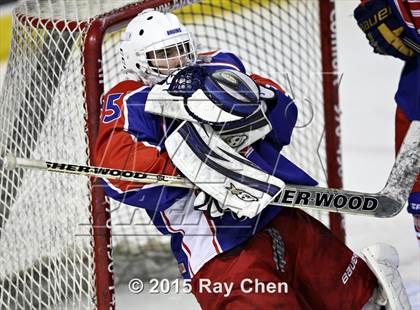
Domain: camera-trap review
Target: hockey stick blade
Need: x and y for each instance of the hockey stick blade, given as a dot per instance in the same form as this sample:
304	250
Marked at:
337	200
387	203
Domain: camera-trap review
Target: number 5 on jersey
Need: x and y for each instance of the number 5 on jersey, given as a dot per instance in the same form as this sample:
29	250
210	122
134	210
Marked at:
111	110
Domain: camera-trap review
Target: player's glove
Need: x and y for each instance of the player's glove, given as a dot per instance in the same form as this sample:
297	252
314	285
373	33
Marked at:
187	81
204	202
383	29
414	204
414	209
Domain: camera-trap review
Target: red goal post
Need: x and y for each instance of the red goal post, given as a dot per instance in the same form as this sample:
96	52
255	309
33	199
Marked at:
76	55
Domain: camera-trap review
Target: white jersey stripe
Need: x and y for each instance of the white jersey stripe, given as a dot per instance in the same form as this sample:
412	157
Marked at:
198	237
151	145
126	110
408	23
213	229
185	248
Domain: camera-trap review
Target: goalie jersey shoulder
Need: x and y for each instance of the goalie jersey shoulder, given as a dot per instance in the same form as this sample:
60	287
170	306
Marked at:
112	103
131	139
122	107
223	59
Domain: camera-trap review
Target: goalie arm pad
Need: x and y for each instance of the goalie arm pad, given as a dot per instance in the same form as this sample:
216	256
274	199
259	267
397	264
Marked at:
383	29
222	58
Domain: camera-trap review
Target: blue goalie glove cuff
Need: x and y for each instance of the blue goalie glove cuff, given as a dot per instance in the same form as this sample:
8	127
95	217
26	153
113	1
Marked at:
187	81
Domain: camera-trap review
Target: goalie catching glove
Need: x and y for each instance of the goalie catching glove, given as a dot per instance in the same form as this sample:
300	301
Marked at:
383	29
227	100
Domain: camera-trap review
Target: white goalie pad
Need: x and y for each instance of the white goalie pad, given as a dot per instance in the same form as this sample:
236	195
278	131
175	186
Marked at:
383	260
160	102
242	133
217	169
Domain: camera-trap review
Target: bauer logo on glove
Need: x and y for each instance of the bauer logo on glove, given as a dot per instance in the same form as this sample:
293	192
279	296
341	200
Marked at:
375	20
383	29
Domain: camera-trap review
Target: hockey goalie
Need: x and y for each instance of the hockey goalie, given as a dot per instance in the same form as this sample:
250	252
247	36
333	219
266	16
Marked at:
202	116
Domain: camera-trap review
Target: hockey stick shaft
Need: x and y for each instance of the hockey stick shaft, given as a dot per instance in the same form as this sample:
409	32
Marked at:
412	44
406	167
12	162
294	196
387	203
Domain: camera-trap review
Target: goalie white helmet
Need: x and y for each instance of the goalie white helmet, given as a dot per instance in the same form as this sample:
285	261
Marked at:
154	45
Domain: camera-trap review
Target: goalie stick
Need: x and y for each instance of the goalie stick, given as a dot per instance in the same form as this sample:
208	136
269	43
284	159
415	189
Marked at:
412	44
386	203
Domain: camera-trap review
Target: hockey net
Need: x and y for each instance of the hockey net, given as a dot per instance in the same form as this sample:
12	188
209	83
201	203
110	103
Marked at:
55	249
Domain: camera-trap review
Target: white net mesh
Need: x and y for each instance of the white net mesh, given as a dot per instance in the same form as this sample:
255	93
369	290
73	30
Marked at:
282	50
46	257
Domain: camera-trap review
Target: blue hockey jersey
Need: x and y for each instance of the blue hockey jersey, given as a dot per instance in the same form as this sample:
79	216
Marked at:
130	138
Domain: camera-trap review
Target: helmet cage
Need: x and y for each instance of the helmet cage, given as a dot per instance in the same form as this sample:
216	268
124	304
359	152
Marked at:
158	60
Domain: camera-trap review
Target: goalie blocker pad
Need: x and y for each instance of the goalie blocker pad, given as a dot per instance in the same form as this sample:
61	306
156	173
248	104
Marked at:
383	260
217	169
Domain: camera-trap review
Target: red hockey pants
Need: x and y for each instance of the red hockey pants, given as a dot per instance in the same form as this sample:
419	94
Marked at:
317	271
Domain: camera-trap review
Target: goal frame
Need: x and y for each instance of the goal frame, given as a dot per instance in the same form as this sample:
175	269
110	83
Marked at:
94	32
94	88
